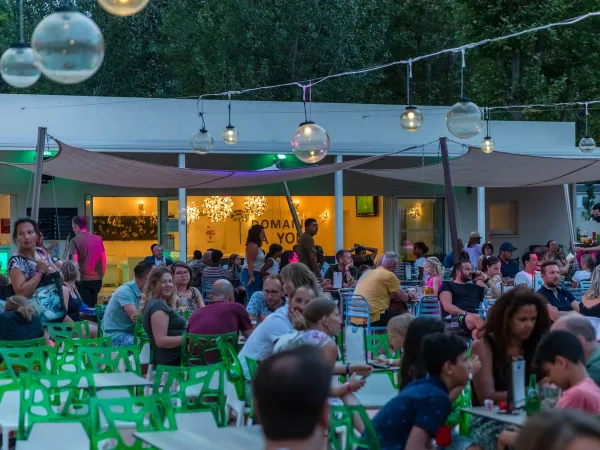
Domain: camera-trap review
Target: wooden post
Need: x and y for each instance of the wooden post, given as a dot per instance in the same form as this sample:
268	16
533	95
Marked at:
37	176
450	200
288	196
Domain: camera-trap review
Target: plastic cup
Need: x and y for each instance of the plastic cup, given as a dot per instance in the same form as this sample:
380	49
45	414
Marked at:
489	404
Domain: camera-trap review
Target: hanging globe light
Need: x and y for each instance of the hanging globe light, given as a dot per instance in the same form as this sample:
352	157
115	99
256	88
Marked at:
464	120
17	66
68	46
310	143
202	142
587	144
230	135
123	7
411	119
487	145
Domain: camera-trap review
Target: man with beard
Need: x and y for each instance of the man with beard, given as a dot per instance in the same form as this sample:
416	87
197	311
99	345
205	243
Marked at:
559	300
595	248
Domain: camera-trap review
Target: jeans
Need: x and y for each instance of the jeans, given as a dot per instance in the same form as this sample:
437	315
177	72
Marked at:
254	287
89	291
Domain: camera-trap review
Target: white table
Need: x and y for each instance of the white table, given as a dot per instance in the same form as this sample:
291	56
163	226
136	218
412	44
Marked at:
229	438
511	419
119	380
377	391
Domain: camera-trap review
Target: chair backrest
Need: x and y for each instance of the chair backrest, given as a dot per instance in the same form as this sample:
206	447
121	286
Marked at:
202	349
341	419
55	399
357	307
193	389
147	413
140	337
67	359
378	344
23	344
585	285
578	293
16	361
109	360
233	368
60	331
429	306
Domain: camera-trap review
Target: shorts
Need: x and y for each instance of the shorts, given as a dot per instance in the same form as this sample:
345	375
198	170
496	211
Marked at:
457	324
121	339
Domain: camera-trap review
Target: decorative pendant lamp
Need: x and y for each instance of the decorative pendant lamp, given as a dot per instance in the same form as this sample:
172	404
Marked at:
230	134
411	119
17	65
587	143
487	145
123	7
310	142
201	141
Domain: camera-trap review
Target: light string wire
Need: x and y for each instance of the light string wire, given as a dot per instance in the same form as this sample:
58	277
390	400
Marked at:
408	79
21	28
462	73
461	49
586	120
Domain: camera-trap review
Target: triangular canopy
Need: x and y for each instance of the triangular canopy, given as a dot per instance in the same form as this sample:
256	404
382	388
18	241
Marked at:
91	167
499	169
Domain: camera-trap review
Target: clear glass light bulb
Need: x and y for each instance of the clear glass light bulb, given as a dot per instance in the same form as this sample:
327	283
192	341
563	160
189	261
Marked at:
310	143
230	135
487	145
587	144
123	7
411	119
17	66
201	142
464	120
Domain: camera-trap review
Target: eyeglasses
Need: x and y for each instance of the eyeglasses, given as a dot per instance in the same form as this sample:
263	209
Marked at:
271	292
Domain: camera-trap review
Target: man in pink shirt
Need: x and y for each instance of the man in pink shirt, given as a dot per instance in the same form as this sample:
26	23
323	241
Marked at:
562	359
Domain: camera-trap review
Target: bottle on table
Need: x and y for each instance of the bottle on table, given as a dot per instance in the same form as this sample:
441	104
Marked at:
533	401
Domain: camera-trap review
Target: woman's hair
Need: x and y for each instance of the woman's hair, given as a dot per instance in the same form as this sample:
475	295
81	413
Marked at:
411	364
487	245
421	246
150	289
231	260
21	305
317	309
489	261
549	242
274	248
254	234
183	265
557	429
285	259
215	257
20	222
197	254
401	323
498	319
588	262
436	264
594	290
299	275
70	271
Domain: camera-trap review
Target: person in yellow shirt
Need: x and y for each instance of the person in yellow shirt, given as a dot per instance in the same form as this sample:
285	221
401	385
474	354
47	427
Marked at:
383	292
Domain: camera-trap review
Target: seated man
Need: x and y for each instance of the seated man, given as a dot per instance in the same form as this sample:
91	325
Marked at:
361	258
157	258
121	312
383	292
584	331
412	418
345	266
530	263
461	299
462	256
559	300
262	303
291	391
323	265
508	266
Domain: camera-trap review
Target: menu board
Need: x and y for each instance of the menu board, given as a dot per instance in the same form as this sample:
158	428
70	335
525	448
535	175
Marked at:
55	223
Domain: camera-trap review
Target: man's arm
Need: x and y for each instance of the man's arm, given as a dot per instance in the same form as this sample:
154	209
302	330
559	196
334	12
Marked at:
399	296
449	307
314	265
131	311
103	264
373	251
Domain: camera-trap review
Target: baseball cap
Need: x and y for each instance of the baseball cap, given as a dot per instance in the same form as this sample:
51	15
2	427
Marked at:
507	247
474	235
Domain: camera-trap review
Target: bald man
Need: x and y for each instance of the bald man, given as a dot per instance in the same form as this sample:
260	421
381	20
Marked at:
585	332
222	315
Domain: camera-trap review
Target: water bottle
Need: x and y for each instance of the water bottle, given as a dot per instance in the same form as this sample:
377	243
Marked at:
533	401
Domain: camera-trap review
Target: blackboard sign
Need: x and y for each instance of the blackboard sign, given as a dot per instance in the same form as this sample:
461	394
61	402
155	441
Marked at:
55	223
126	228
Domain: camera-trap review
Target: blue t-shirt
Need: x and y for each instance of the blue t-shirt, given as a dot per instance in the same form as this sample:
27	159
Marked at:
561	298
116	320
424	403
509	269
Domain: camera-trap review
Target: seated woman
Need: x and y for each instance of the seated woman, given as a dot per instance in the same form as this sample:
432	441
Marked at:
160	318
19	321
189	297
487	249
434	271
588	263
491	267
271	266
558	257
514	327
590	302
73	302
396	328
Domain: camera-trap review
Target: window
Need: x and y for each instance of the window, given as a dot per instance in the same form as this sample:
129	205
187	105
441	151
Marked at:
420	220
504	218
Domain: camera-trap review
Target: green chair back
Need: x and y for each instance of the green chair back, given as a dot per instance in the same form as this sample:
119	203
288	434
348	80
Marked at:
67	359
235	374
147	413
111	359
202	349
193	389
16	361
100	310
377	343
341	418
23	344
55	399
252	369
140	337
61	331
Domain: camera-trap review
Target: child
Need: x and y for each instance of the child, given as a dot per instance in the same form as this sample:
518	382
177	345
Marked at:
412	418
396	328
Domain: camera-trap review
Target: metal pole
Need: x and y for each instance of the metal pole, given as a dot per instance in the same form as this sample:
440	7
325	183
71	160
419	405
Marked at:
288	197
450	200
481	212
569	214
182	215
339	206
37	178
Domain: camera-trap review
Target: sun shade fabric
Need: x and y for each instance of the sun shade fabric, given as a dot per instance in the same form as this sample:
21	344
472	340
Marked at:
498	169
91	167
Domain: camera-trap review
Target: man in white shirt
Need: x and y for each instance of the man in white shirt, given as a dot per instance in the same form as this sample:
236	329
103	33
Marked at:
530	263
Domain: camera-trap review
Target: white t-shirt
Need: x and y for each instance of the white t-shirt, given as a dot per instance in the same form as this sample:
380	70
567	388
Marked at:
420	262
474	253
261	341
524	278
581	275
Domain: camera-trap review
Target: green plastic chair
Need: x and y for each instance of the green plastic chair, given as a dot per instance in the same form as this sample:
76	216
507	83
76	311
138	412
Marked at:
252	369
16	361
54	399
193	389
67	359
61	331
341	422
235	374
109	360
374	344
148	413
23	344
100	310
202	349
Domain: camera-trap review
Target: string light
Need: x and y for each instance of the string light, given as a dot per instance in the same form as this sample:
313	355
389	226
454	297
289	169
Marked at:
411	119
217	208
310	143
488	145
123	7
230	135
587	143
202	141
324	216
255	206
192	212
464	120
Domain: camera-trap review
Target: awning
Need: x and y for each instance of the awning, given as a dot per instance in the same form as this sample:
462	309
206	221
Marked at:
91	167
499	169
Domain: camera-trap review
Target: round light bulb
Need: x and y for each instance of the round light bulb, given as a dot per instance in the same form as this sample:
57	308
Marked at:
487	145
201	142
411	119
587	144
230	135
310	143
123	7
464	120
68	46
17	66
